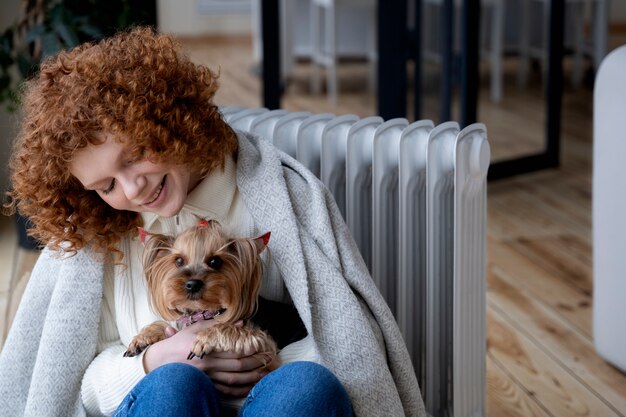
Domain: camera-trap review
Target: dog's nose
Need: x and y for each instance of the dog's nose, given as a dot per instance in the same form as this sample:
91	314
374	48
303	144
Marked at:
193	286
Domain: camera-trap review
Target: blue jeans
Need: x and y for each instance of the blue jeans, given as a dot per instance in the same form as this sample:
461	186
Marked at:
295	389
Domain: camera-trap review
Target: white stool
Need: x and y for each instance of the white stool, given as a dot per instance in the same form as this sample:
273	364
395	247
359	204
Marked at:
575	13
325	55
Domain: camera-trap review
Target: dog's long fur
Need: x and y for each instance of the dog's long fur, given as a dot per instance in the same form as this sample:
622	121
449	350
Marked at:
203	269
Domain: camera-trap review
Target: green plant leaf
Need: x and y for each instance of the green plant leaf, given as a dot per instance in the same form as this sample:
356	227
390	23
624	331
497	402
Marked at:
6	40
50	45
6	60
55	13
5	82
66	34
92	31
67	23
26	64
35	32
123	19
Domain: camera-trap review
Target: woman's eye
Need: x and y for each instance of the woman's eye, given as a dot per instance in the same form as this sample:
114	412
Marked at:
110	188
179	262
215	262
133	159
134	155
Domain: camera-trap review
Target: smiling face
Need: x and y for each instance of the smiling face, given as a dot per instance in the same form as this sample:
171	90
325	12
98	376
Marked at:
139	186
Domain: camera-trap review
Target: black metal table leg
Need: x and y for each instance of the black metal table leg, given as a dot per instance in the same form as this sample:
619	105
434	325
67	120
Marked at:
270	22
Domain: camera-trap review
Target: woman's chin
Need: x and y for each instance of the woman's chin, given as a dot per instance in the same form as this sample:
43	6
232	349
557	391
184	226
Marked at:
167	212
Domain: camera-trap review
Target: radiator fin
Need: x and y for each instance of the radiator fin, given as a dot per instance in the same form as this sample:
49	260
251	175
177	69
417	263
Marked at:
285	135
411	293
385	207
263	125
243	119
309	141
333	157
359	184
439	265
469	339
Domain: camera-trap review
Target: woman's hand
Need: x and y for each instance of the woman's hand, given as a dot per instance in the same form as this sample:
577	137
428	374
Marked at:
233	373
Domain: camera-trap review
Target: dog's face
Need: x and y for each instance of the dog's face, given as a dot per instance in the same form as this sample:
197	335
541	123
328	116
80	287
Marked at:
203	269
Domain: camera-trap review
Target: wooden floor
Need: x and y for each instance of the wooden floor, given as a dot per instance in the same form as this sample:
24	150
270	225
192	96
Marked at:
541	359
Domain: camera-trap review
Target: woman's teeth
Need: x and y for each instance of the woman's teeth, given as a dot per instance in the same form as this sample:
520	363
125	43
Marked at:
156	194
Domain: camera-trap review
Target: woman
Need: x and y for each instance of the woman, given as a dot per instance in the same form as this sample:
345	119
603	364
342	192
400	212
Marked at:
124	133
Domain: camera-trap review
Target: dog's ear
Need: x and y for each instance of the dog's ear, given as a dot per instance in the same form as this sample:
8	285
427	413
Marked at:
204	223
155	247
144	236
262	241
240	246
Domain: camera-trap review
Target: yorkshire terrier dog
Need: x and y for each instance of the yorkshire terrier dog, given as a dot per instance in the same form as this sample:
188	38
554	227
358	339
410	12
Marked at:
204	274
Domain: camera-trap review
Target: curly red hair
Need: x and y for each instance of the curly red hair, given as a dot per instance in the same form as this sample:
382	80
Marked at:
134	85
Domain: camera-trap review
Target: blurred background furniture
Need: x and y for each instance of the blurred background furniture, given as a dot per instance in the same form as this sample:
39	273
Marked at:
322	32
585	34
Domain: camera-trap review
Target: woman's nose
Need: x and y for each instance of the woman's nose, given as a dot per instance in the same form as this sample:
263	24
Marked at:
133	186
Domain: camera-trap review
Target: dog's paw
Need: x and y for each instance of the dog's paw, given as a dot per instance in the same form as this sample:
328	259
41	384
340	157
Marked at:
203	345
226	338
149	335
136	347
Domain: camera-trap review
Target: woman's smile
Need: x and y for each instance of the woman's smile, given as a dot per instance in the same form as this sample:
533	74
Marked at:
157	193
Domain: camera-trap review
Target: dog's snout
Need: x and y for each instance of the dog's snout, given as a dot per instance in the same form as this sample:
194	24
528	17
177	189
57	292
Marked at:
193	286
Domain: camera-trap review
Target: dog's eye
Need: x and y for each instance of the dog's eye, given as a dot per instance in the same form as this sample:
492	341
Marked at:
179	262
215	262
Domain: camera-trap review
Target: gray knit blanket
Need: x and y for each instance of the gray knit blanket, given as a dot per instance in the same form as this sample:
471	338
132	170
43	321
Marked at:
53	338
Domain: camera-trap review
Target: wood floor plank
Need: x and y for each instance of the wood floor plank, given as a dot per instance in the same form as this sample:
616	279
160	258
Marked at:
572	349
558	193
545	379
529	213
558	256
505	398
571	303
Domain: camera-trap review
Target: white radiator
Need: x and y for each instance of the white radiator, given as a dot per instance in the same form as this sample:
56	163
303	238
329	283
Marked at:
414	198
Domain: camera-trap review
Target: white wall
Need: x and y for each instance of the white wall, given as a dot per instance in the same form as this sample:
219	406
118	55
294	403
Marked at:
8	124
182	17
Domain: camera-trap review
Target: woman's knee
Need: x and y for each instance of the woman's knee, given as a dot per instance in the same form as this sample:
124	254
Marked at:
312	376
176	390
303	388
181	377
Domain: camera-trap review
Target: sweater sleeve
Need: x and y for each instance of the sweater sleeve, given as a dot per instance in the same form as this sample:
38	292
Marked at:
110	376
